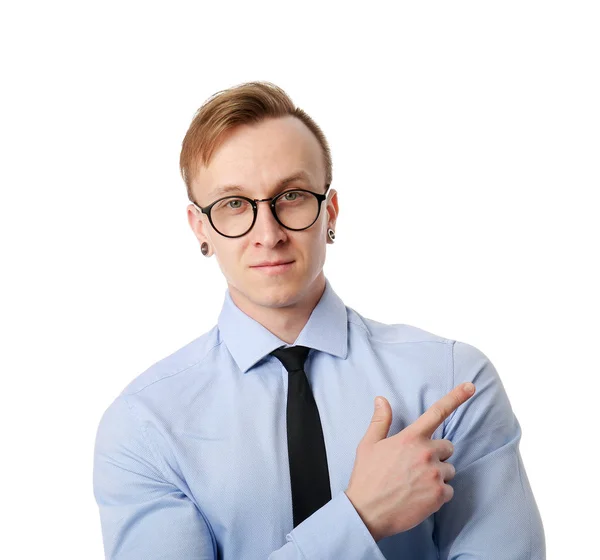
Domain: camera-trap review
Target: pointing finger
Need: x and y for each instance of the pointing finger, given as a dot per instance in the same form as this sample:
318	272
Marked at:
435	415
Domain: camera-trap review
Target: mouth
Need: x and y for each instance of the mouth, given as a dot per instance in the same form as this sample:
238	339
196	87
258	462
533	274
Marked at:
274	269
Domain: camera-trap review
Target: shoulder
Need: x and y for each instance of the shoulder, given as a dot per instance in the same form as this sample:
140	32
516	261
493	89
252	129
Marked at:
393	332
461	355
172	368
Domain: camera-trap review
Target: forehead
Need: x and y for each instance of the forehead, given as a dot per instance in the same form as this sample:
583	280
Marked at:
257	157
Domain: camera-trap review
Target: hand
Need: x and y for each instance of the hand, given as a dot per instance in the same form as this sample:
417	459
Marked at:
399	481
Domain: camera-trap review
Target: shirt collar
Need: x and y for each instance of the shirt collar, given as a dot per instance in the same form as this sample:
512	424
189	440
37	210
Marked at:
249	342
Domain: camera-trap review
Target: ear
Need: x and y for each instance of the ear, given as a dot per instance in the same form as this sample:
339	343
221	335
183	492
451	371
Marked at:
197	223
332	209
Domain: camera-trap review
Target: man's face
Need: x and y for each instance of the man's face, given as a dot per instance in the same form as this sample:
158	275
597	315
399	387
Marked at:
258	157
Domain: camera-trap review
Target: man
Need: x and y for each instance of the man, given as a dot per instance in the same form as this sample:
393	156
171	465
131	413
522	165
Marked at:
259	439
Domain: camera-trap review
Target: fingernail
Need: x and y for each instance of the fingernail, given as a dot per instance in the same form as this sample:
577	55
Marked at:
469	388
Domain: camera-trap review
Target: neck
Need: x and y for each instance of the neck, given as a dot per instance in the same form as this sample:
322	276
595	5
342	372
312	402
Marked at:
285	322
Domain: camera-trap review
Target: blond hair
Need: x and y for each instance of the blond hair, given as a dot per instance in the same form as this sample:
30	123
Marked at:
247	103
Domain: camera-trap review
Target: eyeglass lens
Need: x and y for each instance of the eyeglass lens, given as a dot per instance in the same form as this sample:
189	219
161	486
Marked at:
295	209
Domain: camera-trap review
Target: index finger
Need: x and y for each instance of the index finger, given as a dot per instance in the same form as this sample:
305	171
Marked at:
433	417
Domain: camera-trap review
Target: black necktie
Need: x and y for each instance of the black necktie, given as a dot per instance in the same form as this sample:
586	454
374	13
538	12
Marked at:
306	447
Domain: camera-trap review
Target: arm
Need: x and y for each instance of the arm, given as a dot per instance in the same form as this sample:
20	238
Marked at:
493	513
143	515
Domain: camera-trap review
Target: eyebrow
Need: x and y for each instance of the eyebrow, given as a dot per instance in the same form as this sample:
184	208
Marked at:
225	189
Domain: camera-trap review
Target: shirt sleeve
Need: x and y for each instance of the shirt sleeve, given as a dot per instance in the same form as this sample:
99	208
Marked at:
142	515
493	513
335	530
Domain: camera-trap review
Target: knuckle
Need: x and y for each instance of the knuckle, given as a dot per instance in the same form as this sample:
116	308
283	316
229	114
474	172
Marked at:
434	474
426	455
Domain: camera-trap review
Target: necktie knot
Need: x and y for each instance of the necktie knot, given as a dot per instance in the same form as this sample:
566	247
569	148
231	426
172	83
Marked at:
292	358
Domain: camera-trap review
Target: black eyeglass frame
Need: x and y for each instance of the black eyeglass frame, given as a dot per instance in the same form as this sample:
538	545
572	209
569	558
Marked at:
273	200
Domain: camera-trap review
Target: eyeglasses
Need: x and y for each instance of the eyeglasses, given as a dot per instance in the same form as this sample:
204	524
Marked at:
235	216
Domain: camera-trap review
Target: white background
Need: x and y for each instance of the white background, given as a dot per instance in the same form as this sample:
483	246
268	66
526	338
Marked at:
465	140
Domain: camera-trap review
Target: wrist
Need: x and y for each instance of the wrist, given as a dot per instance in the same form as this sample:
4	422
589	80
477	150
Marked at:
369	524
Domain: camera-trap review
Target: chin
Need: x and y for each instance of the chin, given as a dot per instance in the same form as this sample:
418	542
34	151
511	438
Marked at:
274	292
276	295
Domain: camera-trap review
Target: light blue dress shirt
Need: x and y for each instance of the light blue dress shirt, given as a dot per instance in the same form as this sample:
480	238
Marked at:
191	463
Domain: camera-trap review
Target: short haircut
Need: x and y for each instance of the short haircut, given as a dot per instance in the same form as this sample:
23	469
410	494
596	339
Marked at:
247	103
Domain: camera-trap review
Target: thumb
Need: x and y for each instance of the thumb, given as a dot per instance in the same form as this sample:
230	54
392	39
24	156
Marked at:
380	422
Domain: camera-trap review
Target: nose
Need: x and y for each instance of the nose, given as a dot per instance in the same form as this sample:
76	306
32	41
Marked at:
267	230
